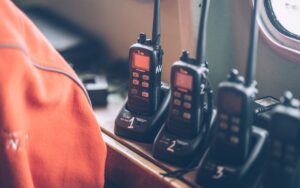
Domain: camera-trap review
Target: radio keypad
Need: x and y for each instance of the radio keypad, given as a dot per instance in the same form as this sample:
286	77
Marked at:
230	126
283	159
141	84
182	105
283	156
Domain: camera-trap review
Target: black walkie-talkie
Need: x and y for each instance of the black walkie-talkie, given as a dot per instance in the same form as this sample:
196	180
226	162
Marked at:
188	81
185	134
238	152
147	105
235	104
145	61
285	144
188	84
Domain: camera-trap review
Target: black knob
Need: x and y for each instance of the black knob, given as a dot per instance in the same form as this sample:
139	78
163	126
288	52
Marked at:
142	38
185	56
235	77
288	100
233	74
149	42
296	103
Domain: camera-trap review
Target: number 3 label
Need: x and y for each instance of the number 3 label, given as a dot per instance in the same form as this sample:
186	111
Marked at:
220	173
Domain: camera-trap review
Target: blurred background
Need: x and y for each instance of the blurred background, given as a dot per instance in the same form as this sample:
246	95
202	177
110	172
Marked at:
117	23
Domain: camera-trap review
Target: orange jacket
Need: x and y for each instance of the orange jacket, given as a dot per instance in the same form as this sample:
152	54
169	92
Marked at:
49	136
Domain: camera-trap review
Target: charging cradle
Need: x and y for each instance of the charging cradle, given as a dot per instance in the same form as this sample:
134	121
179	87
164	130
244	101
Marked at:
97	88
217	175
183	151
143	128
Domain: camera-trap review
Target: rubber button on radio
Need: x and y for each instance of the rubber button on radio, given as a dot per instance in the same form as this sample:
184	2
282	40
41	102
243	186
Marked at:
135	74
288	170
188	97
224	117
187	105
134	91
277	144
177	94
135	82
186	115
234	140
177	102
175	112
235	128
145	94
290	149
223	125
145	84
221	135
145	77
235	120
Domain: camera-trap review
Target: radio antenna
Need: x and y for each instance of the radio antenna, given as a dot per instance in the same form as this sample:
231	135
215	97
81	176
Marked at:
201	43
156	25
251	61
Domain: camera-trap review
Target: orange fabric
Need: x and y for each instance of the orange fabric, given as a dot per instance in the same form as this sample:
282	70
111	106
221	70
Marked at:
49	136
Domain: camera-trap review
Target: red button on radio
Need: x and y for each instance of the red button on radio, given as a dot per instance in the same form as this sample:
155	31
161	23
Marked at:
135	82
145	94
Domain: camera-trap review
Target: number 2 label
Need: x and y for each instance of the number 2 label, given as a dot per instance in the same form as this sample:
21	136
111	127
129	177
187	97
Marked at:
171	147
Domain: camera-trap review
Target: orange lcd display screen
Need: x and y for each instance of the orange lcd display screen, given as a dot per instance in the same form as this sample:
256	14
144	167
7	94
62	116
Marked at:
184	81
141	61
231	102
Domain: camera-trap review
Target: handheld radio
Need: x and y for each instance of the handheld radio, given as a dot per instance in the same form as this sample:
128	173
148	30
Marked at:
237	155
145	60
185	135
188	86
146	108
285	144
235	104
